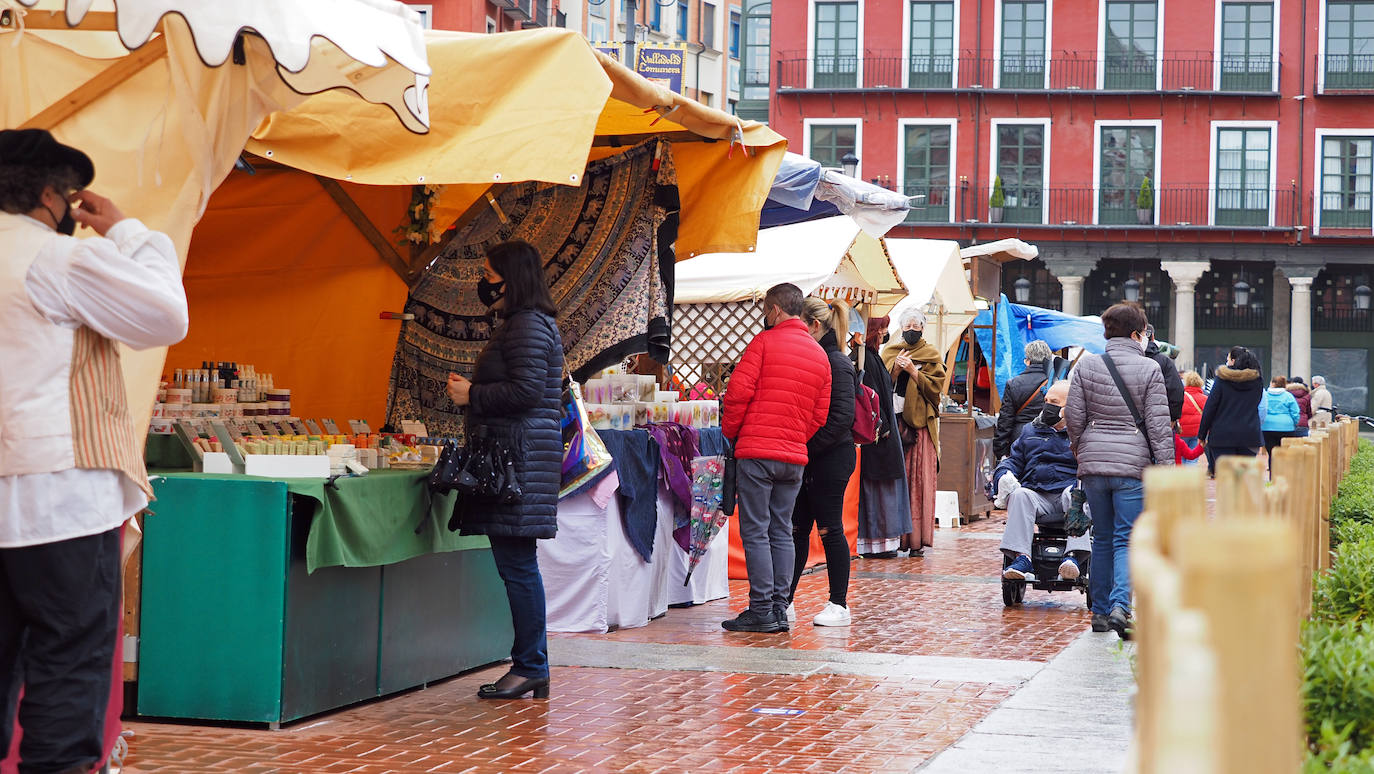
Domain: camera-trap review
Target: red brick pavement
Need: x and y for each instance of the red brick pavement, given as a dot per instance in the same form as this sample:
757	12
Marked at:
637	720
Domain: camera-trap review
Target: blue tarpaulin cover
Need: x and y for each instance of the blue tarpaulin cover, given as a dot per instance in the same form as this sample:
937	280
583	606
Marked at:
1018	324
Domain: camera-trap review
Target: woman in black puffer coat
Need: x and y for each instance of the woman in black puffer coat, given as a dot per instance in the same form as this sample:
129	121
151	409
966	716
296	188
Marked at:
515	393
830	463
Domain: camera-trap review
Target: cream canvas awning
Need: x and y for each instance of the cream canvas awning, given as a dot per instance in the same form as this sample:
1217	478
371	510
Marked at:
536	105
831	257
933	271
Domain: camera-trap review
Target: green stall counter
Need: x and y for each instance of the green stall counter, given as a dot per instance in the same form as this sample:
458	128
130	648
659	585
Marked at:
236	627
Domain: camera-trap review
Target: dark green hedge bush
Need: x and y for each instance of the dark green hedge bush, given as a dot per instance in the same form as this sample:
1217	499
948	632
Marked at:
1338	681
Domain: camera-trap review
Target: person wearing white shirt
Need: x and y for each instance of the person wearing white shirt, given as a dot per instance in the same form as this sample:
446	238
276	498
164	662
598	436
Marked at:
71	467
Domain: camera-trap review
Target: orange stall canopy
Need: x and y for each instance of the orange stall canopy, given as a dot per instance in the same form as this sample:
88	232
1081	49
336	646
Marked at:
279	277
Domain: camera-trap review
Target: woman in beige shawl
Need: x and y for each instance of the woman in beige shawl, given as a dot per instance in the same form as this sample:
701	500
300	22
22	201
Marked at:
918	376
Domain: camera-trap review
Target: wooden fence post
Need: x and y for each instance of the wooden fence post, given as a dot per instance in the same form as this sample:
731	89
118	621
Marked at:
1295	470
1239	574
1240	487
1175	494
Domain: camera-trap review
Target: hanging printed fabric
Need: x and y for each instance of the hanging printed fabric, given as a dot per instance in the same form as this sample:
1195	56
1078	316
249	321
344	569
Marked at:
601	247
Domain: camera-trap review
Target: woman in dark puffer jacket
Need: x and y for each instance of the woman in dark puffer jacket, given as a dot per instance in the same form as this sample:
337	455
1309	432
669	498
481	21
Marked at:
831	456
1230	420
515	393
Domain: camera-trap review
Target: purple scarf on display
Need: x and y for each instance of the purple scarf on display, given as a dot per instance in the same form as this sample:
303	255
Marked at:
678	445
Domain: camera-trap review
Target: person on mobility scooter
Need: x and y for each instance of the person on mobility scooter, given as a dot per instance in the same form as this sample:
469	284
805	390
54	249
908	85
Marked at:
1036	481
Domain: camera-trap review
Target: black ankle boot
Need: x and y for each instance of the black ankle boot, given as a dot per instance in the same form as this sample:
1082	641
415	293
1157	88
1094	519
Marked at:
539	685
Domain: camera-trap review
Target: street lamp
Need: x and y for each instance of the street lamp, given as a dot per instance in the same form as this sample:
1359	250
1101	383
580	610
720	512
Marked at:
849	164
1362	294
1131	289
1021	288
1242	293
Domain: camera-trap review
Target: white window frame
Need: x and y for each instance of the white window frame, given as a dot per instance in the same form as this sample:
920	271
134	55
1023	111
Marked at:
857	123
492	26
1216	44
811	43
1321	135
715	23
997	123
1159	44
426	11
906	43
1097	159
1217	126
997	42
592	24
953	124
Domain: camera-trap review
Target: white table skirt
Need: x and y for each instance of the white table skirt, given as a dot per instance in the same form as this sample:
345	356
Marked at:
594	580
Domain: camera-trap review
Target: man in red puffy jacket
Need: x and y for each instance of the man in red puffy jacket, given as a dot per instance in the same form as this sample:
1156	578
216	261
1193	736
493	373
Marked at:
777	398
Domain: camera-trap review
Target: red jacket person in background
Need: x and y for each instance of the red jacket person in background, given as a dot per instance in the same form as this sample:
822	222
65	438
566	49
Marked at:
777	398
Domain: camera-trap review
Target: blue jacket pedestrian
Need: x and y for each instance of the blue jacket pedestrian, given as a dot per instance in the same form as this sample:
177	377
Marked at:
1283	413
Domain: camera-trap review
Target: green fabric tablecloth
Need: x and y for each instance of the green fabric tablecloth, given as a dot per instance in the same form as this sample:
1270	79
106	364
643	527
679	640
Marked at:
370	520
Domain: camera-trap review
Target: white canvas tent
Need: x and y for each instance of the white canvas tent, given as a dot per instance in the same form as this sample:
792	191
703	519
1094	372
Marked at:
933	272
832	258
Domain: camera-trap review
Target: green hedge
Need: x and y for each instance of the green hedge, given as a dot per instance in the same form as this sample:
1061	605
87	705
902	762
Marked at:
1338	643
1354	500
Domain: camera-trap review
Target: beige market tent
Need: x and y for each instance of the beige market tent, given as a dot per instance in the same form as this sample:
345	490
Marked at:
508	108
162	95
831	257
933	271
307	244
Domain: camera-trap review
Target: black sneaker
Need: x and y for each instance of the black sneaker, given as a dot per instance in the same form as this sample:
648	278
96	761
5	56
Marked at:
780	619
1120	622
749	621
1100	623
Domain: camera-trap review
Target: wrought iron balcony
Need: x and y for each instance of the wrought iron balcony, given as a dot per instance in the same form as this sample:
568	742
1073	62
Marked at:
1083	207
1256	316
1187	71
1346	73
1342	318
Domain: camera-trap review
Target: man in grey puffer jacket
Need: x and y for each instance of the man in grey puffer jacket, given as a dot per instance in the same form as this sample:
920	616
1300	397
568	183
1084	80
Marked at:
1113	454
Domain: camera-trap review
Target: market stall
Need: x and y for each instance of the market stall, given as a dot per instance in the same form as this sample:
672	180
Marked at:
297	255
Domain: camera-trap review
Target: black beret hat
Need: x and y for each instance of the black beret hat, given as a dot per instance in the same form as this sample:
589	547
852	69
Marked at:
37	148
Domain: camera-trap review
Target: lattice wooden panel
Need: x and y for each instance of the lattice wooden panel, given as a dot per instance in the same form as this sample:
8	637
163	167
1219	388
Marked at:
708	340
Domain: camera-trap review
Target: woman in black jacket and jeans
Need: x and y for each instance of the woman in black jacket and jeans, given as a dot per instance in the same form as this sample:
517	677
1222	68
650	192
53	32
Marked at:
516	394
830	463
1230	423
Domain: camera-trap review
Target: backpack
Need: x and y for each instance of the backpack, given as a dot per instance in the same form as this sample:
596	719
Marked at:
868	416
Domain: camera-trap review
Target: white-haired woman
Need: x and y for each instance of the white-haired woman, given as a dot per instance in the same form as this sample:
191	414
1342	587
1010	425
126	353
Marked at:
918	375
1022	398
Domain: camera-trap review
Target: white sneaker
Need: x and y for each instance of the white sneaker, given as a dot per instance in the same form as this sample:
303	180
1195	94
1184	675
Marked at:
832	615
791	612
1068	569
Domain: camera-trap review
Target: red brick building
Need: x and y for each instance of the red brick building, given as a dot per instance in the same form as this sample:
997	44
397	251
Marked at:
1211	158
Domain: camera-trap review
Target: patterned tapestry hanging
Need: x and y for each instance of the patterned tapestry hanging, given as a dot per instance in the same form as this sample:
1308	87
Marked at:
600	243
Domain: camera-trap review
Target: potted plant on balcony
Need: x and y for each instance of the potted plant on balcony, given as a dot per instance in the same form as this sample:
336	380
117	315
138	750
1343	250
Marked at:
995	201
1145	203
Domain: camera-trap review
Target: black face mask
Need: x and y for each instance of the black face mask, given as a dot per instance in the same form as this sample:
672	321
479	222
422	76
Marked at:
912	338
489	293
1050	414
66	224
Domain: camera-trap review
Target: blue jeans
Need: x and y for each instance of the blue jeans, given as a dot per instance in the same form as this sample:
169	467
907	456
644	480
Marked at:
1115	502
518	565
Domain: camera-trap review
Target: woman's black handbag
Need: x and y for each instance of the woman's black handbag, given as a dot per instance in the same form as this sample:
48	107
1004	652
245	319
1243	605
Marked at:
488	473
448	473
